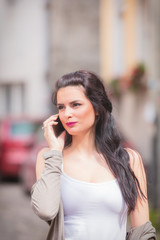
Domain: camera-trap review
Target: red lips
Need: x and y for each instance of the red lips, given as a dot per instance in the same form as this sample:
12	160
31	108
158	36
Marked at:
70	124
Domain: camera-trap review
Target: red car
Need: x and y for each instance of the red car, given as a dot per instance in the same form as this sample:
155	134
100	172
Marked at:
17	136
27	172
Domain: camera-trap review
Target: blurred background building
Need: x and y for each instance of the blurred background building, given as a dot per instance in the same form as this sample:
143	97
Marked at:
130	57
41	40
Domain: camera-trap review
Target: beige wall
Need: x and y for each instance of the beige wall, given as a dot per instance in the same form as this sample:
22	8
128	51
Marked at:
130	16
106	35
126	12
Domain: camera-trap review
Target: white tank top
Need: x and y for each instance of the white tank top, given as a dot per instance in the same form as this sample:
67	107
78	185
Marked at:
93	211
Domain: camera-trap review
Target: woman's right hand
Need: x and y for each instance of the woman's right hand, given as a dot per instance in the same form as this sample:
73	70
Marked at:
54	143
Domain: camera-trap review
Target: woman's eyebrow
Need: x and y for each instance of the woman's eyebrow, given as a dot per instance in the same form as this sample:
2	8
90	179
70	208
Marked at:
58	104
78	100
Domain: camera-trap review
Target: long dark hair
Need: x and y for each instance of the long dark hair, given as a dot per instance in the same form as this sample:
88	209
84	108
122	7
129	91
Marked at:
107	137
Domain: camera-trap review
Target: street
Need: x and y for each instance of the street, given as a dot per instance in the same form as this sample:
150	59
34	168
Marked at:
17	219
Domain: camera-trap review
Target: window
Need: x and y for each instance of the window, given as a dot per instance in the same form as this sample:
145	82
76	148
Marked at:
11	99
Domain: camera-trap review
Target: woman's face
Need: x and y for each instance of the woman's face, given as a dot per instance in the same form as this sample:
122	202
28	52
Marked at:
75	110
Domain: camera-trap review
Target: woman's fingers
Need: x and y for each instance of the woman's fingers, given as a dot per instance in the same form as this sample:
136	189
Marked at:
53	117
52	140
51	120
50	124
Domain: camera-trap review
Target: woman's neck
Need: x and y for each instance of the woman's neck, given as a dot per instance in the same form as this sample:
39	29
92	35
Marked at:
83	143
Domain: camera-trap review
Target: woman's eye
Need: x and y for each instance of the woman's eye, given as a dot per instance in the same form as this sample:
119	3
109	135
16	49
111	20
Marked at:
60	107
76	104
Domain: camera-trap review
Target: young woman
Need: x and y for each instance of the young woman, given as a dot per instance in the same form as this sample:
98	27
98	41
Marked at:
87	182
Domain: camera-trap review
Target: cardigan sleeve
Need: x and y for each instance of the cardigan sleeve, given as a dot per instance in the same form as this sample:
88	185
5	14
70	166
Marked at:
45	193
143	232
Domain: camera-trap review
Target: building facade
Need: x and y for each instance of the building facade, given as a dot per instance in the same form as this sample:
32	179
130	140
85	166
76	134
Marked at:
23	57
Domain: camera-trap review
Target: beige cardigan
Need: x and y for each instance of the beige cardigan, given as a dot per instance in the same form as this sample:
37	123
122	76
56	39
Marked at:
46	201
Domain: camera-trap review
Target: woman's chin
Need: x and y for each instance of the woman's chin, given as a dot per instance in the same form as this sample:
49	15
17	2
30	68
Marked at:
72	133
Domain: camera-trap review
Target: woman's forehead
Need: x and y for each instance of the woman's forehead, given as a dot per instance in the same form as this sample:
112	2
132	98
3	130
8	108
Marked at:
71	93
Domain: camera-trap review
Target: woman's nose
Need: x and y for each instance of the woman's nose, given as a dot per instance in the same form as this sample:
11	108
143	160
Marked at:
68	112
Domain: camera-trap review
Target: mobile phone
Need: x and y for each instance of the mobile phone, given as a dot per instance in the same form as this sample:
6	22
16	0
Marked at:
58	129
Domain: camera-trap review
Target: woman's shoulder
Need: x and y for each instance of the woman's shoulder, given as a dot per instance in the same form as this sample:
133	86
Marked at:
40	158
137	167
135	159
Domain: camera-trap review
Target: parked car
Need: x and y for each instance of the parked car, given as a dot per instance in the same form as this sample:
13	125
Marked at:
17	137
27	172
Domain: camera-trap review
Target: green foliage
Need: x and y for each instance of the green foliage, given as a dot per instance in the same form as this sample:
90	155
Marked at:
137	78
155	218
115	87
135	82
